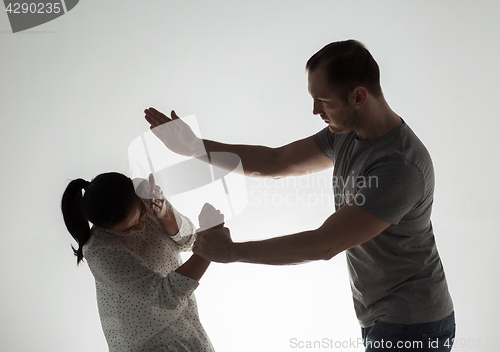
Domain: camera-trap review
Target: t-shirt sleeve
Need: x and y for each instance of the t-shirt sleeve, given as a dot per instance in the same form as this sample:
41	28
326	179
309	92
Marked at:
325	141
391	189
116	266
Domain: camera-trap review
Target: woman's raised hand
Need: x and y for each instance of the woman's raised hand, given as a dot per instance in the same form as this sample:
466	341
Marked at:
210	217
175	133
156	199
168	218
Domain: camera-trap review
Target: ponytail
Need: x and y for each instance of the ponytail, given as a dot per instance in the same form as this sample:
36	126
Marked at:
107	201
74	218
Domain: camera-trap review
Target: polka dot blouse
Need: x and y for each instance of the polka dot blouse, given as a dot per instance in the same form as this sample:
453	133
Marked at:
144	305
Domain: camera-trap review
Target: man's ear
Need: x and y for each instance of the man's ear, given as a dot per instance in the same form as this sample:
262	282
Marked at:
360	96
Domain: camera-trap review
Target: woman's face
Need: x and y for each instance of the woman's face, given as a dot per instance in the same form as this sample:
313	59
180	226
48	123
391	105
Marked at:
134	222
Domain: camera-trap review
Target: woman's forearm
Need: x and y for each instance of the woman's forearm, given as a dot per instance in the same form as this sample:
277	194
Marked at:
172	224
194	267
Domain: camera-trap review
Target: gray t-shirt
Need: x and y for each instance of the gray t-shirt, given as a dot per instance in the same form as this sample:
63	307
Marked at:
397	276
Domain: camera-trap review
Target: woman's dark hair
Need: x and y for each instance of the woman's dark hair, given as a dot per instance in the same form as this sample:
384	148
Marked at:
347	64
107	201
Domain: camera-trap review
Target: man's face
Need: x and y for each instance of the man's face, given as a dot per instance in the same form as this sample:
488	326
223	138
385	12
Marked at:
339	117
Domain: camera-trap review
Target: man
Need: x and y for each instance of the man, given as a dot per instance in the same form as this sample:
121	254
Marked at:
383	182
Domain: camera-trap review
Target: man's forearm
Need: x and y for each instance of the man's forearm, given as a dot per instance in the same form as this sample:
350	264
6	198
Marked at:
256	160
346	228
298	248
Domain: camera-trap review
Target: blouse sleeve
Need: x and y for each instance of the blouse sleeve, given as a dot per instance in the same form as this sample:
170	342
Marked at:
120	268
187	231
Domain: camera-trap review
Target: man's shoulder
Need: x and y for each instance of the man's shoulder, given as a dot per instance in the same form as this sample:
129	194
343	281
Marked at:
400	143
413	149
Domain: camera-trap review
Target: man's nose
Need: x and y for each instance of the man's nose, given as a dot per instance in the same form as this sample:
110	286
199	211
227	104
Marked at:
317	107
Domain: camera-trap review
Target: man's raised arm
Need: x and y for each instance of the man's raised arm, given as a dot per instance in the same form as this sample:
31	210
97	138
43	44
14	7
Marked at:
297	158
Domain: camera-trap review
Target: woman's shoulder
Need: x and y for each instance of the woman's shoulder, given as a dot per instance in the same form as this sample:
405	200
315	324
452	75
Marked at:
101	237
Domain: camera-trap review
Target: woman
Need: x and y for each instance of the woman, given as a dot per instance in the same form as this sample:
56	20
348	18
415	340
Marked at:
144	294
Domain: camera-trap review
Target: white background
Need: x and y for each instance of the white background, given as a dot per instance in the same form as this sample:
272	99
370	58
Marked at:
72	95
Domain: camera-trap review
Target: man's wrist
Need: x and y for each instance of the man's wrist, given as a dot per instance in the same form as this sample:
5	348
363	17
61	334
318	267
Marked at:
237	252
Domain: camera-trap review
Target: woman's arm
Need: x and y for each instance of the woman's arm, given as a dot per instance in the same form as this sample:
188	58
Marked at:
117	266
194	267
169	219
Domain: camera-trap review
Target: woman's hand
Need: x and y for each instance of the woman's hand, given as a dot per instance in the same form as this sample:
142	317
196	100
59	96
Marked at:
169	220
214	240
160	209
156	199
210	217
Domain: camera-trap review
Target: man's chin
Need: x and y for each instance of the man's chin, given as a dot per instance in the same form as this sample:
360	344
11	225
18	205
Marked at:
337	130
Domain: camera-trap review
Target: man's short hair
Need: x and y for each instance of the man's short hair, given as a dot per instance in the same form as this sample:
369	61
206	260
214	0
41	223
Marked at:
347	64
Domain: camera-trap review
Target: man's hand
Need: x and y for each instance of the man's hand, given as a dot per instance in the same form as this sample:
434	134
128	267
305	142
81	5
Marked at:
216	245
175	133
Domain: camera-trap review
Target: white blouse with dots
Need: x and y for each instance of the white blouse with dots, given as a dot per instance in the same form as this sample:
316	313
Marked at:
144	305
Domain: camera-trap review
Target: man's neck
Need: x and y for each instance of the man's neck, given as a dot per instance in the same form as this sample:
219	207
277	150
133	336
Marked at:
376	120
